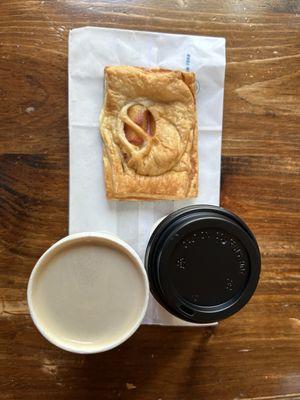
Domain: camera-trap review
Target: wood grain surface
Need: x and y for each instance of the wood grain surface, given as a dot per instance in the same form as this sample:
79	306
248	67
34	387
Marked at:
252	355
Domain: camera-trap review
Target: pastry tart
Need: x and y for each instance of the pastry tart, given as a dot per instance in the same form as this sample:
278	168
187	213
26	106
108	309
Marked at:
149	131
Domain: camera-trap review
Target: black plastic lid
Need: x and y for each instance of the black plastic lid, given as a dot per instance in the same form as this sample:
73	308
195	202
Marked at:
203	263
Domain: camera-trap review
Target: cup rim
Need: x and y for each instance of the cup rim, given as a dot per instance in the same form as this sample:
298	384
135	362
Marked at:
76	237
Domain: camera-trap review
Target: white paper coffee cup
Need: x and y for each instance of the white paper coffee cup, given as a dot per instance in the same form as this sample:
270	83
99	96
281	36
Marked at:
88	293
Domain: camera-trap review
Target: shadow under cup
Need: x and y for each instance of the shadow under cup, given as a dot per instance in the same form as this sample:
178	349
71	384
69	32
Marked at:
88	293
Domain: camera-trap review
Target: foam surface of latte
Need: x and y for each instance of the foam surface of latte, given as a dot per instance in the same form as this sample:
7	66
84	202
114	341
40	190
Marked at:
88	294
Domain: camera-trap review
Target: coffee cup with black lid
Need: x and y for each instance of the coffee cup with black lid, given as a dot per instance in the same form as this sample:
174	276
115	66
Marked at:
203	263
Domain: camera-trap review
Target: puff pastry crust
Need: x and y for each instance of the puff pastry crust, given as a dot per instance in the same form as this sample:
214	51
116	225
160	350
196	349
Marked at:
149	131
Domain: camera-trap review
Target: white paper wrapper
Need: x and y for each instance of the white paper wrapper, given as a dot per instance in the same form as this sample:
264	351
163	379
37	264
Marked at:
90	50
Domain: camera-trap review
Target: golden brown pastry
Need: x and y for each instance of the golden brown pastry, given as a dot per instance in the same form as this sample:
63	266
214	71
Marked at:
149	131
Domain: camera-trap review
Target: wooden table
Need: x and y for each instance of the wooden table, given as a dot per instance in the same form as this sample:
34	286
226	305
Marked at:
255	354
